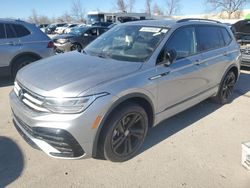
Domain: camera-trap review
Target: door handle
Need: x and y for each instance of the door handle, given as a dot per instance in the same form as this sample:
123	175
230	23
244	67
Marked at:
197	62
159	75
225	53
14	43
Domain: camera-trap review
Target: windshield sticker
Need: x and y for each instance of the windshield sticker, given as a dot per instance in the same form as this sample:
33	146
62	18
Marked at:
164	30
150	29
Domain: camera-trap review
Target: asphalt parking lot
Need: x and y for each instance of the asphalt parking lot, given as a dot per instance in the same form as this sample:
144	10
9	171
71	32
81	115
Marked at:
200	147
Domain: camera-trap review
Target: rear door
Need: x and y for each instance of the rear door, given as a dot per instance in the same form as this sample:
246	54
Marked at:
215	53
9	44
89	36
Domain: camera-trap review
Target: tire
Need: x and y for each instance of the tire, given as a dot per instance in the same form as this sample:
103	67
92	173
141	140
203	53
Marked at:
22	62
76	47
226	89
122	139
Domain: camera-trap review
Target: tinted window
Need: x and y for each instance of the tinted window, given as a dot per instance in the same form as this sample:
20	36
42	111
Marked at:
209	38
183	42
226	36
2	32
102	30
20	30
9	31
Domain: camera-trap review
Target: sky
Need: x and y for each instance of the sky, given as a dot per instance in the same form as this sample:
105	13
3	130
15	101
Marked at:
23	8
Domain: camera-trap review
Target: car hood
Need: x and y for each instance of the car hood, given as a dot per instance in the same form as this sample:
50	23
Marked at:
70	74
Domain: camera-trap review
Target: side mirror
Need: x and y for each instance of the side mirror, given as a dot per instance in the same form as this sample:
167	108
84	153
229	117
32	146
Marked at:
169	57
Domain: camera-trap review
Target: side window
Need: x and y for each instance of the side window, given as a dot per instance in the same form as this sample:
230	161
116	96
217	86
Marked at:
209	38
9	31
102	30
183	41
20	30
2	32
226	36
93	32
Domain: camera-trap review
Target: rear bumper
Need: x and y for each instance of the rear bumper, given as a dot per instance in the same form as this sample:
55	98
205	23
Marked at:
61	48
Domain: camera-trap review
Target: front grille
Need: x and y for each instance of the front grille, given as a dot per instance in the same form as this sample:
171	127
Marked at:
245	51
28	98
60	139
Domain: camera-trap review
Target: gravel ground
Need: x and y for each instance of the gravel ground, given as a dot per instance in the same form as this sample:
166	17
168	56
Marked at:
200	147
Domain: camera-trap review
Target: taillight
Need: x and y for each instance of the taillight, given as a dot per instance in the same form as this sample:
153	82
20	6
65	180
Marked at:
50	44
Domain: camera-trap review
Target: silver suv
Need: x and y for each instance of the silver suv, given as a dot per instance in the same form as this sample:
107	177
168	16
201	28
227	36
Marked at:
100	103
20	44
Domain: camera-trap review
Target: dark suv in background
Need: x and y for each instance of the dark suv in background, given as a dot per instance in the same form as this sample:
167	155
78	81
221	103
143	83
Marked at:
77	39
241	32
20	44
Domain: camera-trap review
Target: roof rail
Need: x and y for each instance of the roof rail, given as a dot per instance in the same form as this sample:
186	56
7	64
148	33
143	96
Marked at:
196	19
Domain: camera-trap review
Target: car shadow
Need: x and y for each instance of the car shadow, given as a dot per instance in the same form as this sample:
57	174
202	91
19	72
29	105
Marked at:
11	161
184	119
6	81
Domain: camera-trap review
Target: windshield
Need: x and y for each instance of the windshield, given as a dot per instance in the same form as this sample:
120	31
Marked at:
127	43
78	30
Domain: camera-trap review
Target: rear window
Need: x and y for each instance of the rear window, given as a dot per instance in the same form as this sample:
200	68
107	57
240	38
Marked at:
9	31
2	32
226	36
20	30
209	38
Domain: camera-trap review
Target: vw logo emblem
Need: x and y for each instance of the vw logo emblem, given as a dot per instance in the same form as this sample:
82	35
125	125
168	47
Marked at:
20	94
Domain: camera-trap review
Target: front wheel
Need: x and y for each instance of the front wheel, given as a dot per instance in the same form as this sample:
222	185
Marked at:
125	133
76	47
226	88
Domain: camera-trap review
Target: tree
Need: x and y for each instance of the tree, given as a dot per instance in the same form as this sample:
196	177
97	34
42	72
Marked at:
34	17
148	6
229	6
131	5
157	10
173	6
121	5
77	11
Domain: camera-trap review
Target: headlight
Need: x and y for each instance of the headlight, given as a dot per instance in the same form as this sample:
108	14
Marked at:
62	41
70	105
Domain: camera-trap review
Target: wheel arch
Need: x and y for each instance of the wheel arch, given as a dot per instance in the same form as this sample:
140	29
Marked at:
31	54
138	98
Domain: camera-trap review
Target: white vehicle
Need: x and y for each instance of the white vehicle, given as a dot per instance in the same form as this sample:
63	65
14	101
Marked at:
69	29
60	30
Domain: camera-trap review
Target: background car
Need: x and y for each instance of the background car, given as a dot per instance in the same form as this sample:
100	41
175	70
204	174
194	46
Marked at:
77	39
241	31
51	28
43	27
20	44
69	29
60	30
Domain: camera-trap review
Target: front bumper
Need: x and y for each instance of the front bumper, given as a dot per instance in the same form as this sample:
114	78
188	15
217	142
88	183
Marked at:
66	136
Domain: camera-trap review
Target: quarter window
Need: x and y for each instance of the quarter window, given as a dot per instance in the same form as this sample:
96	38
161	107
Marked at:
209	38
226	36
20	30
2	32
9	31
183	42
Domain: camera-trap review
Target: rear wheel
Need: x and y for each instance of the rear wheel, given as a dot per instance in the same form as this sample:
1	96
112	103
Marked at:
226	88
125	133
22	62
